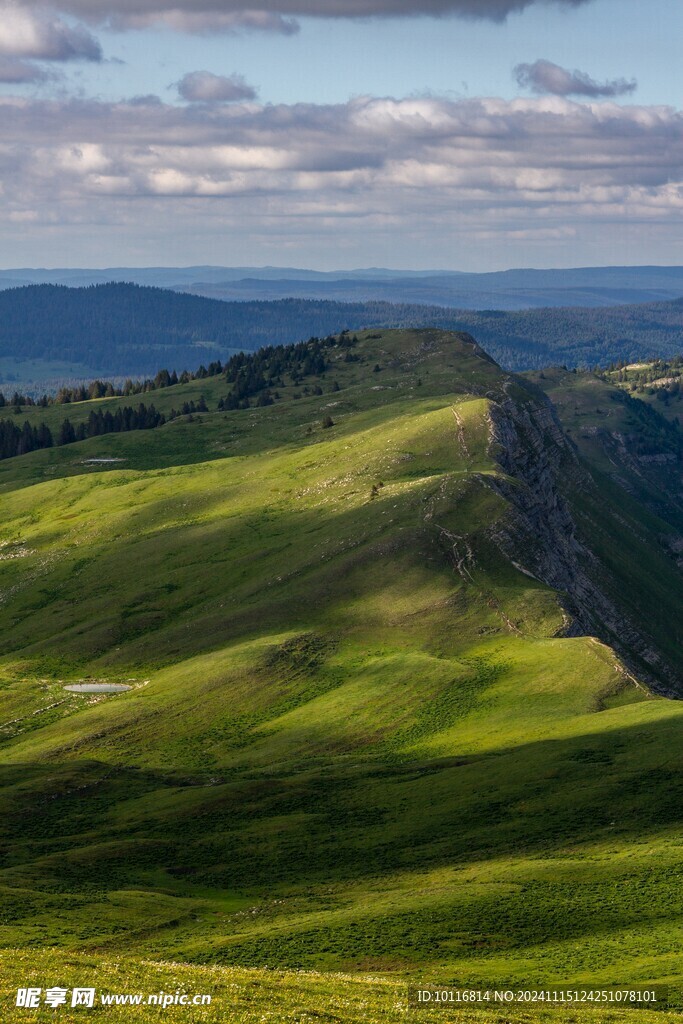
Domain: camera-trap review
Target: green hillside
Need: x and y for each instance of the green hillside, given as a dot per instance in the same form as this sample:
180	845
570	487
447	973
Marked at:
399	655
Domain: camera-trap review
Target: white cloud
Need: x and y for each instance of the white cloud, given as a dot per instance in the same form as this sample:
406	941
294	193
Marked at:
39	36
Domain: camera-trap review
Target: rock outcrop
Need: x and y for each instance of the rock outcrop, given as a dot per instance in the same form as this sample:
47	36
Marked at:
540	536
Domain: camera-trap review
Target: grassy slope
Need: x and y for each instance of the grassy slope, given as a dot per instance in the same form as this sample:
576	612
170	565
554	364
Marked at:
338	753
248	996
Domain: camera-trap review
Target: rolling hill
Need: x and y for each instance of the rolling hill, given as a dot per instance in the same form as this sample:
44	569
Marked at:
400	650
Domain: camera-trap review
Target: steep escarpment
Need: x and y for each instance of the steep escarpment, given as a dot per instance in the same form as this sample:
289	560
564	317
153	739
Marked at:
550	532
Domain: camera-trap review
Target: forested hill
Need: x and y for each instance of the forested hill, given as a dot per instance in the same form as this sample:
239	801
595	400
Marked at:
130	330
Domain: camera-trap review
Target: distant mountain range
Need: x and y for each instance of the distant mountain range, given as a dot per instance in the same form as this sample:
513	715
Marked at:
509	289
176	277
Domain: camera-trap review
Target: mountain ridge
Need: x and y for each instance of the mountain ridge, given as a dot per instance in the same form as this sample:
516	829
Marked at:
517	288
361	730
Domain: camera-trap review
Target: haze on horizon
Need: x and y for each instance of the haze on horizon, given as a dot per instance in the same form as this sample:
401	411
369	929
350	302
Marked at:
470	135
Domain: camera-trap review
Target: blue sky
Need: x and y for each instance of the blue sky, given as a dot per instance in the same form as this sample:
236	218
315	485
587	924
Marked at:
407	142
330	60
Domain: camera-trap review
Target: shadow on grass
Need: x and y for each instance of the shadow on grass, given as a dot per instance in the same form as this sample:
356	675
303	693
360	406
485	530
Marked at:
348	827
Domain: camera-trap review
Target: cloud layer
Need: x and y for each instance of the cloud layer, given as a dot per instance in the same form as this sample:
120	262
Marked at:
545	78
469	161
278	15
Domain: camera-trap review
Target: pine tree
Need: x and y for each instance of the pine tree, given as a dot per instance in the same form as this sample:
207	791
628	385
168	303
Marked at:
67	434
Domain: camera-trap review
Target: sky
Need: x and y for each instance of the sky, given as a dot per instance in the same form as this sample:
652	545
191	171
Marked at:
469	135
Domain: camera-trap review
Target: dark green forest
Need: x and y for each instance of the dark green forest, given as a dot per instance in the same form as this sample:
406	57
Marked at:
126	329
576	336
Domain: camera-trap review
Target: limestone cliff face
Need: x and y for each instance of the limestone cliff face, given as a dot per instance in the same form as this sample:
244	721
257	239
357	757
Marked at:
540	535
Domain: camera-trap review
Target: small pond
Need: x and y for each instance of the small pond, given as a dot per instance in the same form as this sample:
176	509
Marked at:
97	688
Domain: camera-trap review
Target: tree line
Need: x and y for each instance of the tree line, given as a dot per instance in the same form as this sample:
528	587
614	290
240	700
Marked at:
105	389
256	374
251	375
15	440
